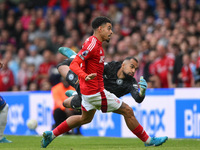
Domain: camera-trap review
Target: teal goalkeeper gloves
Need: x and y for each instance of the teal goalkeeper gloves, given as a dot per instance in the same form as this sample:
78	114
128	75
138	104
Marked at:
143	86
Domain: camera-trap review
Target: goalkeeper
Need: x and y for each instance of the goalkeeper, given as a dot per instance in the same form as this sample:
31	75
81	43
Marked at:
118	79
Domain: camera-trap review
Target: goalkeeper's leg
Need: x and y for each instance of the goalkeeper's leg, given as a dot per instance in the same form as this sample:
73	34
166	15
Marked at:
136	128
73	102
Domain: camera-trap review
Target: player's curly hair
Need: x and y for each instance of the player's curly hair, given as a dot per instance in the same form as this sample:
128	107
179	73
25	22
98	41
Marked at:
98	21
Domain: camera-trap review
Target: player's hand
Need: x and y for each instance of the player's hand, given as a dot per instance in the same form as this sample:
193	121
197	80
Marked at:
142	85
90	76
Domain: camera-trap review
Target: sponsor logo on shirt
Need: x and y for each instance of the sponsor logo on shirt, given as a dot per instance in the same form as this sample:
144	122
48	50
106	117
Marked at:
119	81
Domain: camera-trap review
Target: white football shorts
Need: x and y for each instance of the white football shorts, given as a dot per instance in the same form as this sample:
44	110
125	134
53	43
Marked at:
104	101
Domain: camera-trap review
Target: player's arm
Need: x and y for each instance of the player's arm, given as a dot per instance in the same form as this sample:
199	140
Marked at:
135	94
63	67
75	67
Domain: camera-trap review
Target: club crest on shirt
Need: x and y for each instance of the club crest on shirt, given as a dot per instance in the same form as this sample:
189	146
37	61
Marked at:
119	81
71	77
85	53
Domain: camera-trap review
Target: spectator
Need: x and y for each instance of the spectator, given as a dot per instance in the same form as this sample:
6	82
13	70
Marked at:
44	68
42	31
6	76
31	31
33	86
146	22
163	66
18	32
34	57
114	13
25	19
186	72
22	76
194	58
45	85
198	71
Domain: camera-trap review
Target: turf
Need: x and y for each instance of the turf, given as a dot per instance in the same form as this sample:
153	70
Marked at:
95	143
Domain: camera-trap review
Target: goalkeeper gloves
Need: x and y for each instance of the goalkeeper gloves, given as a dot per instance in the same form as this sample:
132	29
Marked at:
142	85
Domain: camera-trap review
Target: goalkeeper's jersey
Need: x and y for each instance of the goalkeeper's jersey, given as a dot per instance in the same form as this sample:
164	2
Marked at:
119	87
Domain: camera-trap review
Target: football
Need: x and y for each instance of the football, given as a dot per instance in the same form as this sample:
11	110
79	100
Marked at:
32	124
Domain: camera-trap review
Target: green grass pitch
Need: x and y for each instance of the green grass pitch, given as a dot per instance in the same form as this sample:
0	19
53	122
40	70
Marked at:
70	142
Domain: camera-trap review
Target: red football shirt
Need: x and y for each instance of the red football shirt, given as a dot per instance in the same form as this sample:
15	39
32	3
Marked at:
89	60
45	67
161	67
6	80
186	76
198	63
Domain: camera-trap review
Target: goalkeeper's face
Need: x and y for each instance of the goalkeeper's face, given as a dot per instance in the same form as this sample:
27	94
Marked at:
129	67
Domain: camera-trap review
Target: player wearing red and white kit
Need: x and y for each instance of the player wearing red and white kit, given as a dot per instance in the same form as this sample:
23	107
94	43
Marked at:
99	98
92	48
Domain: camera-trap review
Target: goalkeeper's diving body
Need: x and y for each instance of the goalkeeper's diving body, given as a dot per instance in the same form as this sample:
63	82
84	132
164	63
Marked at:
118	79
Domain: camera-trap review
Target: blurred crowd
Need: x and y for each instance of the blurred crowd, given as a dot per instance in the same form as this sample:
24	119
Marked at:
162	34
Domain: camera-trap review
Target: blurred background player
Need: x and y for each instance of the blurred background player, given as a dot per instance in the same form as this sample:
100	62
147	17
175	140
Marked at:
3	117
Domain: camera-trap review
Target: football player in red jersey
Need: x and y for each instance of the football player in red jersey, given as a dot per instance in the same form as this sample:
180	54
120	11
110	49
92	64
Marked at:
89	66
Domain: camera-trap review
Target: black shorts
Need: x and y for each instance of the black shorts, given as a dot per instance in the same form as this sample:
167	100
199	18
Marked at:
76	102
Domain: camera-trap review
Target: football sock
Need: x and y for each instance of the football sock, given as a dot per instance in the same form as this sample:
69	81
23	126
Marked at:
141	134
61	128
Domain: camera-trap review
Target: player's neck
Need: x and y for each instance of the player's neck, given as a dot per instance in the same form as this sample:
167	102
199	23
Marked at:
98	36
120	74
